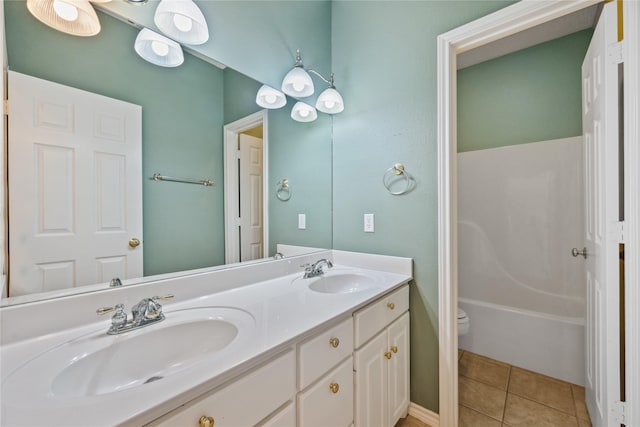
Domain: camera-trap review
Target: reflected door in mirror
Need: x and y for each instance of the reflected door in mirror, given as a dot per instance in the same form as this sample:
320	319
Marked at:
75	187
251	203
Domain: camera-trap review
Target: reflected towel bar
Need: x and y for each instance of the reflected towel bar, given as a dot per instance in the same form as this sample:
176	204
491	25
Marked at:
205	182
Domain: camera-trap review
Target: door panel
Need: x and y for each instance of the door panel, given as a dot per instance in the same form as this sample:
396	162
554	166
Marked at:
251	226
75	186
600	129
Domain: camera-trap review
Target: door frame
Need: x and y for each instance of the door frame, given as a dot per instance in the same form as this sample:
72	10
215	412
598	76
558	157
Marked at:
230	156
503	23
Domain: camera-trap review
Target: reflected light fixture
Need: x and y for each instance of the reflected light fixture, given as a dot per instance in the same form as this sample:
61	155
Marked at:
330	101
302	112
75	17
269	97
182	20
297	82
158	49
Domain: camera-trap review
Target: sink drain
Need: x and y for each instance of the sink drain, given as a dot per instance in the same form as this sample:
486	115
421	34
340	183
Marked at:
152	379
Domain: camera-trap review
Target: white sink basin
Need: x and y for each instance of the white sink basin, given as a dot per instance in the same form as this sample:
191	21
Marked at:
98	364
337	282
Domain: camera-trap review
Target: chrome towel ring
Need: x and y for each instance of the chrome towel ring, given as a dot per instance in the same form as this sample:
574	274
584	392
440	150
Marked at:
283	191
394	174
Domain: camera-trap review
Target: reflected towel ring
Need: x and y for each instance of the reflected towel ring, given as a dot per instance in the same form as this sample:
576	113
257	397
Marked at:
392	174
283	191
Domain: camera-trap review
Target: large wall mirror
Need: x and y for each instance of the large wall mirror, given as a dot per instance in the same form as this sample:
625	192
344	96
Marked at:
184	110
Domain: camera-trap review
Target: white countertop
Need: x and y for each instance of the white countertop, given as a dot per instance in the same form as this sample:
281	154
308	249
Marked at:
283	309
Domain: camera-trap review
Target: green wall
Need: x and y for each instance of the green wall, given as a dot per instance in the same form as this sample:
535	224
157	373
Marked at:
527	96
384	57
182	118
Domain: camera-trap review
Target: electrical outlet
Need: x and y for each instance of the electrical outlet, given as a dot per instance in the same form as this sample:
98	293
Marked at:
368	223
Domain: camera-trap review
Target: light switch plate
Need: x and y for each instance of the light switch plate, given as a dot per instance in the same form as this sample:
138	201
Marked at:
302	221
369	223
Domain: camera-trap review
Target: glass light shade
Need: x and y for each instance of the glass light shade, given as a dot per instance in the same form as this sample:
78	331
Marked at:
330	101
158	49
182	20
269	97
302	112
75	17
297	83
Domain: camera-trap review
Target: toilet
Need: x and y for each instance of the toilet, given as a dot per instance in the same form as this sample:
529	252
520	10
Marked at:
463	322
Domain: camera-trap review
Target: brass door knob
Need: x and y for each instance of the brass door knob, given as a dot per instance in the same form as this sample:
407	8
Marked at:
394	349
335	342
387	355
134	243
334	387
206	421
391	306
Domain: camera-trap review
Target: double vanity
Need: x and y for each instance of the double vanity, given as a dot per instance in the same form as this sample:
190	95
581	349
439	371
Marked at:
257	344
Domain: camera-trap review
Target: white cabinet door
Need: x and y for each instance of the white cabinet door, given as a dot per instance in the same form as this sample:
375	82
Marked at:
329	402
398	335
371	368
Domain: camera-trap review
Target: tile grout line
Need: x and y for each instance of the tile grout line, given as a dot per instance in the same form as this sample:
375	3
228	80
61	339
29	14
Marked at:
506	395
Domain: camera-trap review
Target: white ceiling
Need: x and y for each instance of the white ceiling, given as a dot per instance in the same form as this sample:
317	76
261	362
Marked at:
569	24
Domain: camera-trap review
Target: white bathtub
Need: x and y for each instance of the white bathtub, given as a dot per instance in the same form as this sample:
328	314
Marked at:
544	343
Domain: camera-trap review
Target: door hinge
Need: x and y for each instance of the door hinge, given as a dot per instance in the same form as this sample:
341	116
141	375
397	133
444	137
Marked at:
619	410
621	232
5	107
238	221
616	52
238	154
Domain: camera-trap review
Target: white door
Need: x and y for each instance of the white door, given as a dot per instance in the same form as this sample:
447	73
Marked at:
600	129
251	226
372	393
399	369
75	187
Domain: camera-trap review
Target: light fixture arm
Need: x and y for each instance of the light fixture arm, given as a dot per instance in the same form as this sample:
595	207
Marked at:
330	81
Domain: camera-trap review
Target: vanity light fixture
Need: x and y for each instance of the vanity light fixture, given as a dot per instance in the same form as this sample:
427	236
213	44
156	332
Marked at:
269	97
182	20
158	49
330	101
297	83
75	17
302	112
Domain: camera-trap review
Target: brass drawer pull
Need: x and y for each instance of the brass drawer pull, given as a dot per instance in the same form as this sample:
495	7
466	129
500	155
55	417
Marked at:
387	355
206	421
334	387
391	306
394	349
335	342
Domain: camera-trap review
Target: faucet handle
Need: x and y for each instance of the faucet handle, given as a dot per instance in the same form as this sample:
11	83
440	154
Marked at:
118	320
118	308
163	297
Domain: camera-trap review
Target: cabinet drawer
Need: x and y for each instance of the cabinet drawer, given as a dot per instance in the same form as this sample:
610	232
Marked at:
286	417
245	401
372	319
320	406
324	351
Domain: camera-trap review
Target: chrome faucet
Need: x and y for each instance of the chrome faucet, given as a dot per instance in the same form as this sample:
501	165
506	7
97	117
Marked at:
315	269
144	313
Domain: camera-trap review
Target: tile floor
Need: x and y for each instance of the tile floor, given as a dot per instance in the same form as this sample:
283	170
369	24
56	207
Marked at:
495	394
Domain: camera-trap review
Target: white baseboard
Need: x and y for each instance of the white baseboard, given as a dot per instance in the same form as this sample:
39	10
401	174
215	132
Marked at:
424	415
